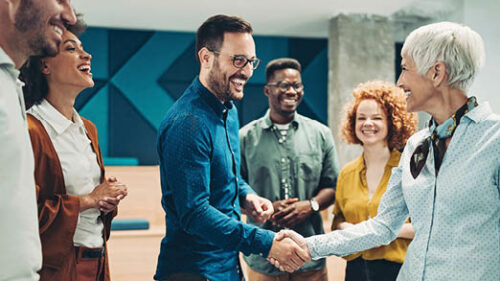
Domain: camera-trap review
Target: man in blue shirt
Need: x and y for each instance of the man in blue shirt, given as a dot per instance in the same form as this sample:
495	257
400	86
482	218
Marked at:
198	147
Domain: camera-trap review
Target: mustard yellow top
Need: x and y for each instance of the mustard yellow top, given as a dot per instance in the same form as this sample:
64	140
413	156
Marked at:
353	205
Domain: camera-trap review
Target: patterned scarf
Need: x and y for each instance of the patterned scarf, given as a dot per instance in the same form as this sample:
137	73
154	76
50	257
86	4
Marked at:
438	139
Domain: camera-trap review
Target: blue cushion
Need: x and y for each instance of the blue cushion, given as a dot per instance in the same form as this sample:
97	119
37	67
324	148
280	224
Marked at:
129	224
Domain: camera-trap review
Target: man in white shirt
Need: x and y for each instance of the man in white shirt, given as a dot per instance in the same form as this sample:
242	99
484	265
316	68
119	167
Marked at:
28	27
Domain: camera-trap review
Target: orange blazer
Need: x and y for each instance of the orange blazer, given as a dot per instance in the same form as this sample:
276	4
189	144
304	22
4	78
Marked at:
58	211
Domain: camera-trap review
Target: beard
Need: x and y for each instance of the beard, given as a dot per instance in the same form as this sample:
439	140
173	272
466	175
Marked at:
29	21
220	83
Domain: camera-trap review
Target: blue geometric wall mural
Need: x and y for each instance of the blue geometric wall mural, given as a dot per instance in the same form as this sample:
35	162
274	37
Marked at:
139	74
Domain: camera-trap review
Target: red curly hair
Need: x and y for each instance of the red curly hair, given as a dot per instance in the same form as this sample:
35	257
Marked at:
400	123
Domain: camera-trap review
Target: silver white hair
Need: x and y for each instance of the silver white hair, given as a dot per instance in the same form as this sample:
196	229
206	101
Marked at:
460	48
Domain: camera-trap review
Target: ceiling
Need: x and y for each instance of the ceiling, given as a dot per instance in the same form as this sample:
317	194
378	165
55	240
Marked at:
301	18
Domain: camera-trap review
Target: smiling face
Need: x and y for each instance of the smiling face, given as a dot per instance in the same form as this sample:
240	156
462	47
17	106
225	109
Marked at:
42	23
71	67
283	103
224	79
371	123
418	88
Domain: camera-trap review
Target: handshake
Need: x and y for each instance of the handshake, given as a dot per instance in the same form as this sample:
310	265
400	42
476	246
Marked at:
289	251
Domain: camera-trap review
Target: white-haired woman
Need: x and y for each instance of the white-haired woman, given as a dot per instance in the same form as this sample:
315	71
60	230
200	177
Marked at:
447	180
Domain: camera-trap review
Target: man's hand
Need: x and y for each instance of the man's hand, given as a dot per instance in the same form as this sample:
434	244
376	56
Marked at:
259	208
282	204
294	213
289	251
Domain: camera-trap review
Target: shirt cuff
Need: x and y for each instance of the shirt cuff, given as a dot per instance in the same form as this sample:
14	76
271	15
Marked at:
263	242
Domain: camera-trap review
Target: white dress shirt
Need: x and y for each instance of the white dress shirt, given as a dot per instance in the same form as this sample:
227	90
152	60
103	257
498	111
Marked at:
79	165
20	249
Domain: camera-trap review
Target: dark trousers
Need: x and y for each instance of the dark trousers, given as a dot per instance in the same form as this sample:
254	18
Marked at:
376	270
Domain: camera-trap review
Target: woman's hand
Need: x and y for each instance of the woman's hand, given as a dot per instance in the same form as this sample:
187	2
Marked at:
105	196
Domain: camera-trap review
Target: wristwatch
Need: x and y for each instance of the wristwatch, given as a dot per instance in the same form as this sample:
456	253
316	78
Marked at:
314	205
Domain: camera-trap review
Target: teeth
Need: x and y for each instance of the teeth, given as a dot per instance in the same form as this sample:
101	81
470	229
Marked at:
289	100
238	81
57	29
84	68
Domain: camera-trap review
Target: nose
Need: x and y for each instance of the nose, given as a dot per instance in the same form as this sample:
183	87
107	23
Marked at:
399	83
291	90
67	14
247	70
368	122
86	56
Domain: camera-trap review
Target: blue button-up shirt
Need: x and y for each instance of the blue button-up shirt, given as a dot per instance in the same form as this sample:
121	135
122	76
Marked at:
198	147
456	214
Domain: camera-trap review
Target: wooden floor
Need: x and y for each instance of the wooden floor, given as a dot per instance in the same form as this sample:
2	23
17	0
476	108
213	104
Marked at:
133	254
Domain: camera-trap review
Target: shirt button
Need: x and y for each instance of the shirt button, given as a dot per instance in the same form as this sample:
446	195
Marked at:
280	140
236	179
224	110
283	180
283	160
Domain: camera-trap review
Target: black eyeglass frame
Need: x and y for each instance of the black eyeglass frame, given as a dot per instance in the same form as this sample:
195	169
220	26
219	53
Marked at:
298	87
254	62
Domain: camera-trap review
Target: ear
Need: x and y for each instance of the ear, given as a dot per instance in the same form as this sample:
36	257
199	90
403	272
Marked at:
439	75
44	68
267	91
205	57
12	6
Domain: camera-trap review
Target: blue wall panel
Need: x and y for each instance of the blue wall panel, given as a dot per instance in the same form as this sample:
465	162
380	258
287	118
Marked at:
139	74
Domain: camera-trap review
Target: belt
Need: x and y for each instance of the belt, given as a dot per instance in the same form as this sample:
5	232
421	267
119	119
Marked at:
92	254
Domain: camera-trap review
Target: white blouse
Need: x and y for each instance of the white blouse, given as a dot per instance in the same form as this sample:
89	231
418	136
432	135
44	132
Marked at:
79	165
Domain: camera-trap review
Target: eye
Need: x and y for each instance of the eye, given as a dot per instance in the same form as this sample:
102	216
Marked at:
70	48
239	60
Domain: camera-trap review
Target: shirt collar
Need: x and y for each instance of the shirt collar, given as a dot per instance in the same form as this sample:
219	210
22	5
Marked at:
481	112
268	123
55	118
392	162
6	60
211	99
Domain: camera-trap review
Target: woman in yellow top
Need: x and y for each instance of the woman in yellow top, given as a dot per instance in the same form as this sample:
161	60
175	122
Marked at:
377	120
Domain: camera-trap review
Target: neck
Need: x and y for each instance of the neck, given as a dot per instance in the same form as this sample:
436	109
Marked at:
281	118
204	81
63	100
376	153
447	102
14	48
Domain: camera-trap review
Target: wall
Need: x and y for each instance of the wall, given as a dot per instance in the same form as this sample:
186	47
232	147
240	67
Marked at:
140	74
482	16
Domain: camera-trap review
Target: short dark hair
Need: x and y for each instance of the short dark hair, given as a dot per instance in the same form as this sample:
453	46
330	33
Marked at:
35	83
279	64
211	33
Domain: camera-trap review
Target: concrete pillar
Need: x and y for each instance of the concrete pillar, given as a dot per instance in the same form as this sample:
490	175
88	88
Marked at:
361	48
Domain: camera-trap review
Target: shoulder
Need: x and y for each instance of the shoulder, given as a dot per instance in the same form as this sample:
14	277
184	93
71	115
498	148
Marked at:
313	126
251	128
38	135
35	126
352	166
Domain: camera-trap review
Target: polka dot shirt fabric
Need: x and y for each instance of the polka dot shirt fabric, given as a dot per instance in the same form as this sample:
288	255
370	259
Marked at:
456	215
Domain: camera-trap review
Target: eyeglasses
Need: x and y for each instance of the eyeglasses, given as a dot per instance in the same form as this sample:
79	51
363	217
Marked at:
284	86
240	61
